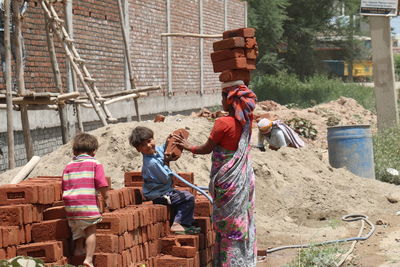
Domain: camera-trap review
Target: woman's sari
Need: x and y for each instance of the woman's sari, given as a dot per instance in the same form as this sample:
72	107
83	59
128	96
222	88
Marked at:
233	189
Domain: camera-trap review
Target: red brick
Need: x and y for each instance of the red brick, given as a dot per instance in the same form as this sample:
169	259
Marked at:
114	200
204	223
22	236
133	178
203	208
234	75
146	251
112	224
11	252
171	261
107	259
50	251
10	235
242	32
210	240
183	251
28	233
3	253
154	248
229	43
50	230
251	53
18	194
46	190
126	258
106	243
128	240
188	240
172	151
197	260
251	64
54	181
121	243
188	176
251	42
167	243
159	118
222	55
11	215
229	64
54	213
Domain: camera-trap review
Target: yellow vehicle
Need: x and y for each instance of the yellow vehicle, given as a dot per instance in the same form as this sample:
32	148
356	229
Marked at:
362	69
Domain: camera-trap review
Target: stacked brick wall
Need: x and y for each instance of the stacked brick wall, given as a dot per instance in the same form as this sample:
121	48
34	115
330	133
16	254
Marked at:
132	232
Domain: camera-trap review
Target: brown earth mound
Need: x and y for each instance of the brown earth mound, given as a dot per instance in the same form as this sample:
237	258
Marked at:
298	193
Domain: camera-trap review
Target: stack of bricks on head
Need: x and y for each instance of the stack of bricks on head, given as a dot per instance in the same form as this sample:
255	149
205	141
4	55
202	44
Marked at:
133	232
235	55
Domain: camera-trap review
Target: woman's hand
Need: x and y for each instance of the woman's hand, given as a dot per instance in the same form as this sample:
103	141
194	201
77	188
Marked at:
182	142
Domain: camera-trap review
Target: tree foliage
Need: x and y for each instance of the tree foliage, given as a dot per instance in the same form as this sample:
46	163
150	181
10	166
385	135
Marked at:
296	24
268	17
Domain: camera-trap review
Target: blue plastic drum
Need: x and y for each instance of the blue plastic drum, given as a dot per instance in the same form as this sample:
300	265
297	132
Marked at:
351	147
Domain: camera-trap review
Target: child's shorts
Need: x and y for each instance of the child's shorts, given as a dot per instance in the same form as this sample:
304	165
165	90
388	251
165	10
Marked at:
78	226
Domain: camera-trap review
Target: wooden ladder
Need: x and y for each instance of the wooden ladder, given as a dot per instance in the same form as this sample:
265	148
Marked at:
77	63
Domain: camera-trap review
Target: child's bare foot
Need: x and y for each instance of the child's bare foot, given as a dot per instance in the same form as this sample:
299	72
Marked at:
176	227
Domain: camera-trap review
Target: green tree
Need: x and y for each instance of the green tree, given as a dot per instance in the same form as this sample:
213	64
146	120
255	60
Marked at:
307	19
268	17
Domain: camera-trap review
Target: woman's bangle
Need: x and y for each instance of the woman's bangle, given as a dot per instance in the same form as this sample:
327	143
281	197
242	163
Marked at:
193	149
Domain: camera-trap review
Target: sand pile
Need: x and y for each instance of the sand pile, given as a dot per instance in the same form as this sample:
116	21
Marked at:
297	191
344	111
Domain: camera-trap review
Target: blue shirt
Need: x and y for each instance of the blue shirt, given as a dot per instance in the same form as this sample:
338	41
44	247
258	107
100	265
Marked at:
156	175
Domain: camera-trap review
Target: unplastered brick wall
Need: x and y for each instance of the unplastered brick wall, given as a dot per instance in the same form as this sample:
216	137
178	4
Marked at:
98	39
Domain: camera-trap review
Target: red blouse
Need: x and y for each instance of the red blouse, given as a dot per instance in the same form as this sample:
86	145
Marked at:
226	132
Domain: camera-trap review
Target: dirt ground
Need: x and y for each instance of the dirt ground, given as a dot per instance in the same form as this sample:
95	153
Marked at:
300	198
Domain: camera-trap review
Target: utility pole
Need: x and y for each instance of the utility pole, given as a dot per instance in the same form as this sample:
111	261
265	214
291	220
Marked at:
382	57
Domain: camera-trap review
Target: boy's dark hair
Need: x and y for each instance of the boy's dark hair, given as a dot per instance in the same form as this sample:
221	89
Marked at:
140	134
84	143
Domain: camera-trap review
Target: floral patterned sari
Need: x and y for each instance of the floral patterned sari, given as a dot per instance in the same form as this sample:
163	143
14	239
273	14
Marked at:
233	189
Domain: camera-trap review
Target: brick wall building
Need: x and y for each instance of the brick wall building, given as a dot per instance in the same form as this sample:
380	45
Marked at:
98	39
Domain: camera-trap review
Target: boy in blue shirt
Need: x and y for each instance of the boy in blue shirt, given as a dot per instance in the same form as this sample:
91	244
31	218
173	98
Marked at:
157	178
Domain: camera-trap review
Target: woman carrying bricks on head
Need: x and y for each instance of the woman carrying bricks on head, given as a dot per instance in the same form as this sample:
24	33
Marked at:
82	177
232	177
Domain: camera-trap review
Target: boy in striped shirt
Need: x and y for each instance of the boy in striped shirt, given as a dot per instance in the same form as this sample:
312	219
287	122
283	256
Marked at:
82	178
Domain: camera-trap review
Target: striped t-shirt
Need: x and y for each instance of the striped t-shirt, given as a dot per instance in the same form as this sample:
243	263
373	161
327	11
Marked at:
81	177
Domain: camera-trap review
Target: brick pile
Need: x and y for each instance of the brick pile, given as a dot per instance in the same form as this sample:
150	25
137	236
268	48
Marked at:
235	55
184	250
132	233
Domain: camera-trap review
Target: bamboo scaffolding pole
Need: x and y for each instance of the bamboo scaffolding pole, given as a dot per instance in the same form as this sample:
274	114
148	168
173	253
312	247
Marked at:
19	73
57	78
117	99
132	91
7	46
74	65
32	107
87	77
186	34
128	55
71	76
85	104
